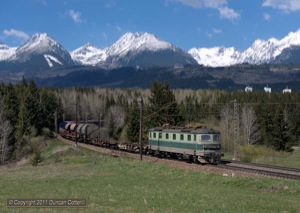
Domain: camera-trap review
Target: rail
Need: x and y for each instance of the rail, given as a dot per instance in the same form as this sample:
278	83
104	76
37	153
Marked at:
262	169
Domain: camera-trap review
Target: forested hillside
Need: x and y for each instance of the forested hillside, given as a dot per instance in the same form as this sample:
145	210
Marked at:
232	78
272	119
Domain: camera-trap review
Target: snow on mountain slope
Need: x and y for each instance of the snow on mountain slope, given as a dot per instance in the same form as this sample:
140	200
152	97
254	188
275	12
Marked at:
6	52
137	42
50	59
144	48
266	51
89	55
259	52
41	44
215	57
128	43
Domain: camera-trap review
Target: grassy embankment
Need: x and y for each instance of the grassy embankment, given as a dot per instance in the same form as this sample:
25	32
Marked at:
265	155
126	185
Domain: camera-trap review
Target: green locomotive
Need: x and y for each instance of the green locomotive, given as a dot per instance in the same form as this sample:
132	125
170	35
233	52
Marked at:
197	144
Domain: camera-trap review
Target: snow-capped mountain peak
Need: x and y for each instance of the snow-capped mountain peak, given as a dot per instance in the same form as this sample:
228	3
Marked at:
39	43
132	43
215	56
43	46
137	42
89	55
6	52
145	49
261	51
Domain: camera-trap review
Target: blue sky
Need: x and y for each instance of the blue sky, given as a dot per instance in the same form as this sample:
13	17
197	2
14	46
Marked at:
184	23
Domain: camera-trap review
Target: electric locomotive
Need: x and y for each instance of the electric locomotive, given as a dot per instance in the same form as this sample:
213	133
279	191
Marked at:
197	144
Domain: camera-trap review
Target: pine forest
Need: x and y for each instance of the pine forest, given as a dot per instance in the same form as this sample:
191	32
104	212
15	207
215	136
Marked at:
269	120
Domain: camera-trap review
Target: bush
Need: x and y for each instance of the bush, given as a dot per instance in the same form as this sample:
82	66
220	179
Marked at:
248	153
46	132
252	153
36	157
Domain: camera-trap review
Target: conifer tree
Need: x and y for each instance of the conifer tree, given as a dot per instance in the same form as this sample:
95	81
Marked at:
49	104
5	134
32	103
133	124
24	119
162	106
281	134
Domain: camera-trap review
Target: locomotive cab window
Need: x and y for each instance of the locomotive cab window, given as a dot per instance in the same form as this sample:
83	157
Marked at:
154	135
174	136
167	136
189	138
181	137
159	135
205	137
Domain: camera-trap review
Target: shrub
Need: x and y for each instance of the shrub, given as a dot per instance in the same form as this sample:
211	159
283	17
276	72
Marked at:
36	157
251	153
248	153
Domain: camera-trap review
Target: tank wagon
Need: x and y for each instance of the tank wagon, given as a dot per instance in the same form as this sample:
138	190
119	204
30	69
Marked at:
197	144
85	132
88	133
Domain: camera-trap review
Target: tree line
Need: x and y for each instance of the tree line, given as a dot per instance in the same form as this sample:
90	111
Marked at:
263	119
25	111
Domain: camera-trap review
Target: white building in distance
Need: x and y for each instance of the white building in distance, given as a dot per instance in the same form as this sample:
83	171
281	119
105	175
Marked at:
267	89
287	90
248	89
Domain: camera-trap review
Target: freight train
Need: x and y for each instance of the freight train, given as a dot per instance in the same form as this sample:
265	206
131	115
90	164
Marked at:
199	144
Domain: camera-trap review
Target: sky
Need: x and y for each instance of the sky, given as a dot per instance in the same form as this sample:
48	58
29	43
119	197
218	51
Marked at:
184	23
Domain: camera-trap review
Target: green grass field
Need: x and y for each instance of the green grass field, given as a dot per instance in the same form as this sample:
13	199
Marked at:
122	184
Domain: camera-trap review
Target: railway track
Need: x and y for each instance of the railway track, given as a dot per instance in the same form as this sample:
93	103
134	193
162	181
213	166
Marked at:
226	167
262	169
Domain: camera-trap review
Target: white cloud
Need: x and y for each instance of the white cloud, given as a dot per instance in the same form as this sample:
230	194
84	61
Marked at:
44	2
191	3
214	32
284	5
110	4
104	36
15	33
119	28
209	34
75	15
217	31
228	13
220	5
267	16
214	3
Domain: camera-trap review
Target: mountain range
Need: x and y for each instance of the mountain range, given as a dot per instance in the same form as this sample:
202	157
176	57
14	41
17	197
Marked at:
146	50
272	51
137	58
131	50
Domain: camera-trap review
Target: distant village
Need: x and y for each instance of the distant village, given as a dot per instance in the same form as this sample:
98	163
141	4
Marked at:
268	89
